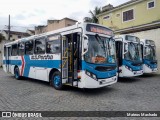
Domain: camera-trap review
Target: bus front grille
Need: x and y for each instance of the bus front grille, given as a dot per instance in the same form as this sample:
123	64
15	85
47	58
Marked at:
105	68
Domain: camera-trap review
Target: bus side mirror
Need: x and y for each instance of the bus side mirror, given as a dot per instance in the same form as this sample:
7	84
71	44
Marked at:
85	44
125	48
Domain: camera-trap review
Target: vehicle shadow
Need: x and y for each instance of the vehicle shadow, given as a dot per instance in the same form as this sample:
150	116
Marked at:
148	75
34	81
66	88
128	80
90	92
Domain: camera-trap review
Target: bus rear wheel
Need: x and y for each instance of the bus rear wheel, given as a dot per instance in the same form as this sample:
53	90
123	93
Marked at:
16	73
56	80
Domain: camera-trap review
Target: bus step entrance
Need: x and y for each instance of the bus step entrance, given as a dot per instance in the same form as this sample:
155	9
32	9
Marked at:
69	58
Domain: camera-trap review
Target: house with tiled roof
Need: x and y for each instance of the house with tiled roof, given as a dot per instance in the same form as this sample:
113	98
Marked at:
14	35
136	17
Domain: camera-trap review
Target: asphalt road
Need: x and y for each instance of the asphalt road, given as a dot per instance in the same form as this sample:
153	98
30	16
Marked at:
129	94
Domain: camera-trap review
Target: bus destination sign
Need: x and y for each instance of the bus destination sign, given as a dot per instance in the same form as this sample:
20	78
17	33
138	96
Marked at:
99	29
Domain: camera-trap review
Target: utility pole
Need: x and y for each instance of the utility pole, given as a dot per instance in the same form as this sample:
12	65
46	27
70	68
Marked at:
9	27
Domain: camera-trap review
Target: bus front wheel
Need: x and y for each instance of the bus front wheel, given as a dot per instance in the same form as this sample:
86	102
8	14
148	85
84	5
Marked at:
16	73
56	80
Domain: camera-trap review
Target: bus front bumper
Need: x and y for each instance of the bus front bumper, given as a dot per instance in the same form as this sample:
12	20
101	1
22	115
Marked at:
89	82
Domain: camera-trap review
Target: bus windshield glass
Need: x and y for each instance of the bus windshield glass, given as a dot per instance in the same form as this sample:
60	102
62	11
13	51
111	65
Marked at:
134	52
101	50
150	52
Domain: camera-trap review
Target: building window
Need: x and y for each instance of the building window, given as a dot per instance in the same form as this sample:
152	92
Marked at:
128	15
151	4
40	46
29	47
19	36
10	35
106	17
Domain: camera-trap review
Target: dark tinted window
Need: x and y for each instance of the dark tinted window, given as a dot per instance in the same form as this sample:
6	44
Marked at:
29	47
21	48
53	46
40	46
128	15
14	50
5	51
19	36
151	4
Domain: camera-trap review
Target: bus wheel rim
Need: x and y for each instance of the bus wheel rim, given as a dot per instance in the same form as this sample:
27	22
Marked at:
56	80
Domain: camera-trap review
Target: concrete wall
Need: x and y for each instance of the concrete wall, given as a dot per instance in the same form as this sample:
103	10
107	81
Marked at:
54	25
142	15
153	35
13	35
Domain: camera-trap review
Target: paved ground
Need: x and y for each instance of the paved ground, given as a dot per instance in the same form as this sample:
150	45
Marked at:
133	94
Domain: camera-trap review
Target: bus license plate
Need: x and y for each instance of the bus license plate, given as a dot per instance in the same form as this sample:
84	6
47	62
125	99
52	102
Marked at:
139	72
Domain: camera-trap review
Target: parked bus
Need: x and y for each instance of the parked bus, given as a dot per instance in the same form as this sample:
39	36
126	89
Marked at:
150	63
82	55
129	55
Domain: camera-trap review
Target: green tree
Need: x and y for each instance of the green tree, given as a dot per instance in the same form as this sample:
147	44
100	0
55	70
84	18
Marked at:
94	13
1	37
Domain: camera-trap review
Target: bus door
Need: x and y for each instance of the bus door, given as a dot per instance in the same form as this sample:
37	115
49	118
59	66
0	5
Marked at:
119	52
8	55
71	51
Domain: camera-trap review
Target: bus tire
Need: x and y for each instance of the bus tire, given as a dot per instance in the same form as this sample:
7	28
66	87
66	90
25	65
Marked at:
56	80
16	73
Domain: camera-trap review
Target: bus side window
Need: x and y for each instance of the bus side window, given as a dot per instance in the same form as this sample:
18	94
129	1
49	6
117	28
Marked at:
14	50
142	50
40	46
4	50
53	46
21	49
29	48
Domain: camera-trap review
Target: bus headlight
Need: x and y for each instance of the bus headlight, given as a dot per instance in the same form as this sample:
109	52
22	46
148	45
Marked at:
94	76
88	73
91	75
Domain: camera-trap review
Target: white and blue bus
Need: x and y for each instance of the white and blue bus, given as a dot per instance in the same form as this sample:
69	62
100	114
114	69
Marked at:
150	63
129	56
82	55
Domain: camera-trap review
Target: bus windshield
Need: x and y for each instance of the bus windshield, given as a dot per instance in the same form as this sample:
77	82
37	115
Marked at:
134	52
150	53
101	50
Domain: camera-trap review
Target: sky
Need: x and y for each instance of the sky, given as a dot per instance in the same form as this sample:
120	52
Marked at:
26	14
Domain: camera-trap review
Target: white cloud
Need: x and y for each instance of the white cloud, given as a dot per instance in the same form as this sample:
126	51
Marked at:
36	12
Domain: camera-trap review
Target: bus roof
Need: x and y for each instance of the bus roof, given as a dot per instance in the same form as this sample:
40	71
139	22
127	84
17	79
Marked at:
77	25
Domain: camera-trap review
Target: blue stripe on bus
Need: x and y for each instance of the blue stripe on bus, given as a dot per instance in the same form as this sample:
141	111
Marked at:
56	64
148	62
34	63
39	63
13	62
99	74
129	64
